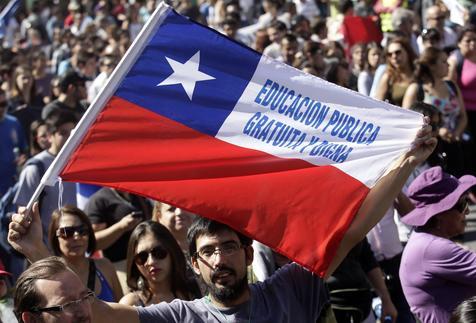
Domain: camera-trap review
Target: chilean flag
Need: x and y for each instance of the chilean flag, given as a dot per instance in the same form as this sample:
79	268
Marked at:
194	119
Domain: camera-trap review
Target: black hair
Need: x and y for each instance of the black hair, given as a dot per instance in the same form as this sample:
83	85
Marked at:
291	38
466	29
297	20
203	226
431	34
57	118
345	5
70	77
426	109
278	25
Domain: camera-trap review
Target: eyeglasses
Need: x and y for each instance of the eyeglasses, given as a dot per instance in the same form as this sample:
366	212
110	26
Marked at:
69	232
462	205
157	252
398	52
226	249
68	307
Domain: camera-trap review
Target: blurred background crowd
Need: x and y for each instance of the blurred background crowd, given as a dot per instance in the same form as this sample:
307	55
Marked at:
57	55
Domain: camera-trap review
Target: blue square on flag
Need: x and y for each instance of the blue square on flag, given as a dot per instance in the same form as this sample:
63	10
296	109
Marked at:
190	74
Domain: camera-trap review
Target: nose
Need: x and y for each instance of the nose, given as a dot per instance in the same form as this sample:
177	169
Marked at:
150	259
217	259
178	211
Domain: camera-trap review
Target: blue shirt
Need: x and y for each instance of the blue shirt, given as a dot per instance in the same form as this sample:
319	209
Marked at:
12	142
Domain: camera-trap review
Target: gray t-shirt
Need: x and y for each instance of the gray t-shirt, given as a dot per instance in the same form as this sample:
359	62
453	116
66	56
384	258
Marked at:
30	179
292	294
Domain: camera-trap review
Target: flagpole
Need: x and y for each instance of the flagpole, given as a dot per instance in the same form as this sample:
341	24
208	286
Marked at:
52	173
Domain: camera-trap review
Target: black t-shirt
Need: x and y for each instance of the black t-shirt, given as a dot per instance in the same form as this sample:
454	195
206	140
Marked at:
107	206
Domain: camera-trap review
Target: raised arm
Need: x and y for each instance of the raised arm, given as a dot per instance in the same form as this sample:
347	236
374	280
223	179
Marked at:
25	234
382	195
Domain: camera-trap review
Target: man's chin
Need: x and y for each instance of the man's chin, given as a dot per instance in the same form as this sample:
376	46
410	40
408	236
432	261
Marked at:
226	290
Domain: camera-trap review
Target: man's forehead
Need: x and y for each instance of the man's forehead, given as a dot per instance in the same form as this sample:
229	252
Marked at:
59	288
216	238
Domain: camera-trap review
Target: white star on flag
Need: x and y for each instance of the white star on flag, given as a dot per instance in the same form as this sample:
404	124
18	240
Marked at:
186	74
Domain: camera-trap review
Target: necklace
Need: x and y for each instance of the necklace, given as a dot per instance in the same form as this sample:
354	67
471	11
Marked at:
209	301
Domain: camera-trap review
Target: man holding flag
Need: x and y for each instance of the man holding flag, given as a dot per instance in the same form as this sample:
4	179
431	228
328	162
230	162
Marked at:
220	255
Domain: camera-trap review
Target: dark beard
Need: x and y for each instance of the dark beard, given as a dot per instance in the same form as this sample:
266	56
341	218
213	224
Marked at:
228	293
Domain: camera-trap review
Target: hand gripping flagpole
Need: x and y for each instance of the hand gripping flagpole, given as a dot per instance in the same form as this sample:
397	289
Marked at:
51	175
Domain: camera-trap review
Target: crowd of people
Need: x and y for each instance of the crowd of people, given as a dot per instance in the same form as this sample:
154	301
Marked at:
120	250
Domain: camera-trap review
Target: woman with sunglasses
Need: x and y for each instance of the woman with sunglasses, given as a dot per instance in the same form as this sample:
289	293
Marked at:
71	237
156	269
436	273
399	72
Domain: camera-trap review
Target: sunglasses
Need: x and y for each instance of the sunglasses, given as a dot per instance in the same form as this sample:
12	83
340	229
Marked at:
69	232
462	205
398	52
437	18
157	252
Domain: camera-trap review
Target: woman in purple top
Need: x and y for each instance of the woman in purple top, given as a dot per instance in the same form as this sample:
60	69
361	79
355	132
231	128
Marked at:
436	273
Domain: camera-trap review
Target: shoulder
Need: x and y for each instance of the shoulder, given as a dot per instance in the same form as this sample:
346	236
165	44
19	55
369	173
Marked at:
175	311
105	266
9	119
385	77
291	275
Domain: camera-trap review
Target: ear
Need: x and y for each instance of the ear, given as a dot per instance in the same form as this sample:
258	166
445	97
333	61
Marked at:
195	267
49	137
28	317
71	88
249	255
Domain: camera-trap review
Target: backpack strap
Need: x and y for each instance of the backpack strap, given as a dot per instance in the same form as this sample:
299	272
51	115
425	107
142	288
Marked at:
420	92
452	87
459	62
40	166
92	275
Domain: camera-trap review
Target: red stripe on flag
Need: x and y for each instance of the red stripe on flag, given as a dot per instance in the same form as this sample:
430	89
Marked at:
297	208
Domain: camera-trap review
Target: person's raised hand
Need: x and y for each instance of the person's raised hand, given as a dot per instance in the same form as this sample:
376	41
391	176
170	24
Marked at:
422	146
129	222
25	233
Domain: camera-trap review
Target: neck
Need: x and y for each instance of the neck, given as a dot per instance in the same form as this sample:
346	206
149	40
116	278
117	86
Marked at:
162	290
181	238
53	150
244	297
438	232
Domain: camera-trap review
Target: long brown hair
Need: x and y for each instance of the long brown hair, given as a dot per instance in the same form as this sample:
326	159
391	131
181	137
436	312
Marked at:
424	66
395	75
16	91
179	284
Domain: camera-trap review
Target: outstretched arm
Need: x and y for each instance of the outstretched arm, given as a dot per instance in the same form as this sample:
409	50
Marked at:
113	312
382	195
